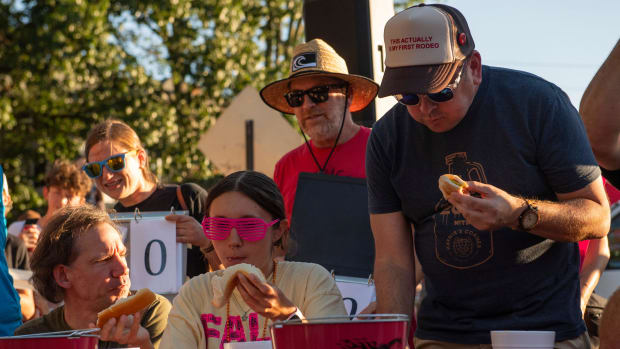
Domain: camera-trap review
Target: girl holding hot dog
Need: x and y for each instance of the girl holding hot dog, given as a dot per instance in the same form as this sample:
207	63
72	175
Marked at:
245	219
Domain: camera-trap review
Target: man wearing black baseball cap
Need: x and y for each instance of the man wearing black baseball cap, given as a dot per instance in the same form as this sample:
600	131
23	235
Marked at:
501	253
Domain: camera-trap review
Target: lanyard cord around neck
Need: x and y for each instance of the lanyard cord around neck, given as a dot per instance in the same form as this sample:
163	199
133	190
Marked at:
344	113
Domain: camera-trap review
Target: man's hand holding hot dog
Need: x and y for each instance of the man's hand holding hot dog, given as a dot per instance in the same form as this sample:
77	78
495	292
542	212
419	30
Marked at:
579	215
492	210
126	330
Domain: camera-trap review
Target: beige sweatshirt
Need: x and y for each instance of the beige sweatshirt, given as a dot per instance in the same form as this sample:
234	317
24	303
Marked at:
194	321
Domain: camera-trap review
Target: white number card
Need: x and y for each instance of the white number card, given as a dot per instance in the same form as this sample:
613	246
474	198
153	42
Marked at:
357	293
153	256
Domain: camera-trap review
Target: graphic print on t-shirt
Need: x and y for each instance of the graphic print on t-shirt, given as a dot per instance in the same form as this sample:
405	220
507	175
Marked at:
458	244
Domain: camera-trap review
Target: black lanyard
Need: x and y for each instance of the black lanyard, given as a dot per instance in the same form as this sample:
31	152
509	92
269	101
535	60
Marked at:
344	114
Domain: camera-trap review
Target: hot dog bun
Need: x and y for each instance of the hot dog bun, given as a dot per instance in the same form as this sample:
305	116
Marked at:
126	306
449	183
224	285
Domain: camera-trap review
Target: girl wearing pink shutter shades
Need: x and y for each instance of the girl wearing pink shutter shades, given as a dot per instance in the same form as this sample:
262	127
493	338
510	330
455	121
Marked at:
245	220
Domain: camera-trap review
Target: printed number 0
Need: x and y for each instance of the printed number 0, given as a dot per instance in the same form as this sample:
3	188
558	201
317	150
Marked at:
353	305
147	259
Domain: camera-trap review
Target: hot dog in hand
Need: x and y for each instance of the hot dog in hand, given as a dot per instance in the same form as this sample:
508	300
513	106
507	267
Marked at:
449	183
224	285
126	306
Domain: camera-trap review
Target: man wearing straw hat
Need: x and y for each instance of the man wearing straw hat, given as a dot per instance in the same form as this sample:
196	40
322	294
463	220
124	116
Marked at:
499	254
322	94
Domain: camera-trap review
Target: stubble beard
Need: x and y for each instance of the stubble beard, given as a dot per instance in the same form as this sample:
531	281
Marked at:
325	132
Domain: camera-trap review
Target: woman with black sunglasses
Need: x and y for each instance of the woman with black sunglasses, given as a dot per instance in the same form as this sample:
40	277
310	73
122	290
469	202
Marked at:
119	165
245	219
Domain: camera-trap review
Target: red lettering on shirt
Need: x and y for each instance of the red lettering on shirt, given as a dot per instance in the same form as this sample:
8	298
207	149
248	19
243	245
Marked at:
234	327
210	318
234	330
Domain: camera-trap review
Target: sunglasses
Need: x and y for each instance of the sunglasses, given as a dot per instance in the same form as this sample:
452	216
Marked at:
249	229
412	99
114	163
442	96
317	94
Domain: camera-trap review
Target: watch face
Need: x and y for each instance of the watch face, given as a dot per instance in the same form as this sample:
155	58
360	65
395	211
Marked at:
530	218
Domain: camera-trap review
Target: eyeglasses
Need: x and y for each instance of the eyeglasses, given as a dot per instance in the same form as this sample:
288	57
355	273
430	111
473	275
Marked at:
317	94
114	163
249	229
442	96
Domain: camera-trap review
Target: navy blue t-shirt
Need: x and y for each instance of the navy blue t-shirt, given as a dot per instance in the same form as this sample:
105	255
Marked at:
520	134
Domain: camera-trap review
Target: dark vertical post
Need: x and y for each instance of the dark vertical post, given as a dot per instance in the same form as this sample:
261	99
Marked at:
249	144
349	35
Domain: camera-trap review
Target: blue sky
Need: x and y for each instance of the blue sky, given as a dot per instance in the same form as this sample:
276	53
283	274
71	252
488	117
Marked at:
564	42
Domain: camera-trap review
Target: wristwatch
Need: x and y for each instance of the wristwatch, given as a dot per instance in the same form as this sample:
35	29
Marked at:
529	217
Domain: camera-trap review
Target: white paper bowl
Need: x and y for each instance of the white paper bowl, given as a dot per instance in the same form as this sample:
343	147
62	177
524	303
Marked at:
248	345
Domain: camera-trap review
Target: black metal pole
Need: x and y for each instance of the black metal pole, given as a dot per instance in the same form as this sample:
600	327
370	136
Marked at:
249	144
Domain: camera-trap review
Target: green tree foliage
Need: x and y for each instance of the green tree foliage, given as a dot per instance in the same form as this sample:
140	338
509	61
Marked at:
58	75
212	50
167	68
66	65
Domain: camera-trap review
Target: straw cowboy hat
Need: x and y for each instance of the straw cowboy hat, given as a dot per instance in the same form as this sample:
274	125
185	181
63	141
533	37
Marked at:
317	58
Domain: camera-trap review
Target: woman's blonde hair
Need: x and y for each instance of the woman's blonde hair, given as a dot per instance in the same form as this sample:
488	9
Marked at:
122	134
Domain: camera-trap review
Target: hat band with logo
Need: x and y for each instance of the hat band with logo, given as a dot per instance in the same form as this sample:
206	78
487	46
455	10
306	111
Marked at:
318	59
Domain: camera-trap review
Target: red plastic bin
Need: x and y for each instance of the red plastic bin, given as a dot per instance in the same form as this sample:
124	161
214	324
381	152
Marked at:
366	331
78	339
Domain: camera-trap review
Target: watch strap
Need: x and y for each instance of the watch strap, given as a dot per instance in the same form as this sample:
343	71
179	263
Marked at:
529	208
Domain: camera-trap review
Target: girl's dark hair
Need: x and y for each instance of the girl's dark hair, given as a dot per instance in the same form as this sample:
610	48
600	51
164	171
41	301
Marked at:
258	187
